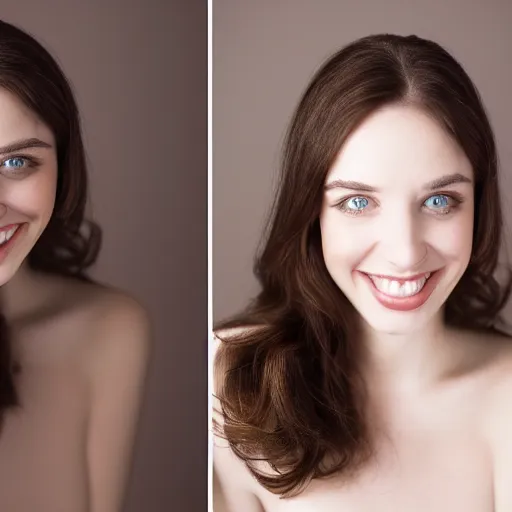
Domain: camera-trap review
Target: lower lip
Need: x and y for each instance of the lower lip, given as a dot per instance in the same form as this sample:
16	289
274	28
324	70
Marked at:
405	303
5	249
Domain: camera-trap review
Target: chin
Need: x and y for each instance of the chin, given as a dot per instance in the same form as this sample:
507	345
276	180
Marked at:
397	323
387	321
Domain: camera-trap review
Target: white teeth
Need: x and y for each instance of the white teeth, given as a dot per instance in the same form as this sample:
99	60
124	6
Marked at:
5	236
395	289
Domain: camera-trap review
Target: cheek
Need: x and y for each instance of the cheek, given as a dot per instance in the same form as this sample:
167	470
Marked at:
34	196
454	239
342	243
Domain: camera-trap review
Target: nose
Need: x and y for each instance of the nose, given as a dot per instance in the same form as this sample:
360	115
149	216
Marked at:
403	243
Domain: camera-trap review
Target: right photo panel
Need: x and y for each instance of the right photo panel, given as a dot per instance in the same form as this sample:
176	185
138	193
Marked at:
362	327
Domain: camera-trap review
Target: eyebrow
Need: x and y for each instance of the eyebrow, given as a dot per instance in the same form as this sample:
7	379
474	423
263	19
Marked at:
23	144
444	181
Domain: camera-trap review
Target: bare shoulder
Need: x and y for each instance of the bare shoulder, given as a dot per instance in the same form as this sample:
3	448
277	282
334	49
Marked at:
109	325
118	327
498	419
496	360
122	326
499	382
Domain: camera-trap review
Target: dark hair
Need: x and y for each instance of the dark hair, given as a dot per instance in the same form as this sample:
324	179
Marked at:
29	72
291	390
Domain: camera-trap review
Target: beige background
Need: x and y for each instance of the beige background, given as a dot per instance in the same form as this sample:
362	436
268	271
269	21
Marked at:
139	70
264	55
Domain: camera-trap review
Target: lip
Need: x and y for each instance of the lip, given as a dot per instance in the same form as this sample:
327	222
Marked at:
6	249
405	303
8	227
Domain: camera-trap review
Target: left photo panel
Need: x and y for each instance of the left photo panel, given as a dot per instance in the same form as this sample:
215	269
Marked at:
103	256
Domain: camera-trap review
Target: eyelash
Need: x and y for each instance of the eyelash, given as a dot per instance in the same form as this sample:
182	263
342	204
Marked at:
458	199
31	163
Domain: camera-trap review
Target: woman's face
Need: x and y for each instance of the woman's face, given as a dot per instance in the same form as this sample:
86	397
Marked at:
28	180
398	204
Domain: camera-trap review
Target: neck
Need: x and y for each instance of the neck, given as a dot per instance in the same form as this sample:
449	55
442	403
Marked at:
18	296
410	362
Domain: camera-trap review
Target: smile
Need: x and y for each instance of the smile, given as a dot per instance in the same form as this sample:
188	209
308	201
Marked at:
7	233
399	287
8	236
402	294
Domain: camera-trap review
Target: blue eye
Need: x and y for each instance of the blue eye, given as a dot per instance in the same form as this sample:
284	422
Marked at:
437	202
358	203
17	166
17	163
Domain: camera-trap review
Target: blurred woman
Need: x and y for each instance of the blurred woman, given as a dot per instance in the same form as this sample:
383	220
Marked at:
73	353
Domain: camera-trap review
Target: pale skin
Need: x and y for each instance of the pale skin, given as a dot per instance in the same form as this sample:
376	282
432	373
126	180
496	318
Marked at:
83	350
439	397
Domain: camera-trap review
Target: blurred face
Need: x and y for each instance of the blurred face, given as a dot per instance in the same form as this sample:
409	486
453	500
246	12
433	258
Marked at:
28	180
397	219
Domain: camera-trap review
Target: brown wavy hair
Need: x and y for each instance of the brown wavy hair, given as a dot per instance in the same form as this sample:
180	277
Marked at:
70	244
290	388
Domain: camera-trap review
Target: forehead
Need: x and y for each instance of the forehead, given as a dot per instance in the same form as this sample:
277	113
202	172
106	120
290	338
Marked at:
17	121
399	145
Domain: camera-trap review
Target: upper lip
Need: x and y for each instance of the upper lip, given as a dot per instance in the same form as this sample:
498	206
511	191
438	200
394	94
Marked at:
8	227
398	278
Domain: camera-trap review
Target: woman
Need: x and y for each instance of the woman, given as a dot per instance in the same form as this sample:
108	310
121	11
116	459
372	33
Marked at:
369	373
73	353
